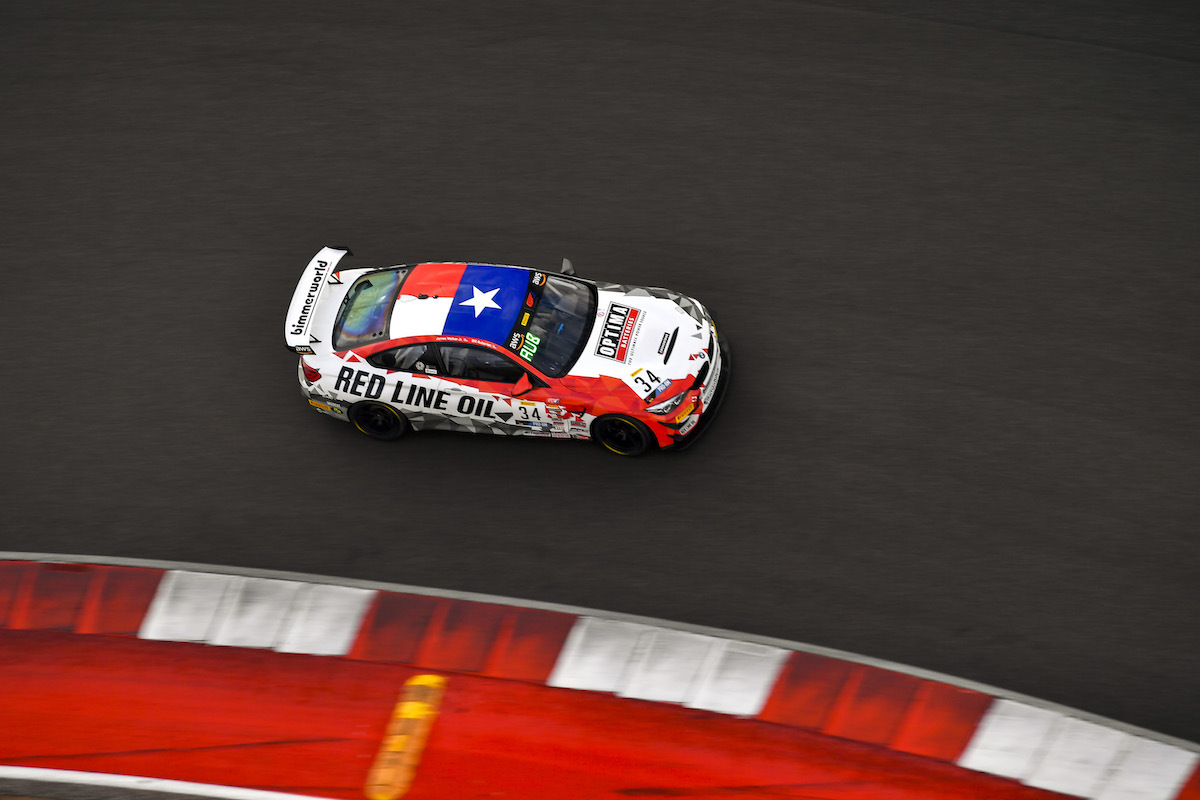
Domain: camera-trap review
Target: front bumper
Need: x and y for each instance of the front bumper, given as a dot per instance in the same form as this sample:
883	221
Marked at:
709	412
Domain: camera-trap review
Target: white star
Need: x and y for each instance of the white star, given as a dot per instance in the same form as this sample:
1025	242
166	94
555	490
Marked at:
481	300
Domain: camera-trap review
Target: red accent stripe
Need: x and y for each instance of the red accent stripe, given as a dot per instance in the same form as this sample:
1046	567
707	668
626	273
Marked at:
462	637
436	280
57	597
872	705
11	575
393	629
530	644
941	721
805	691
128	592
86	622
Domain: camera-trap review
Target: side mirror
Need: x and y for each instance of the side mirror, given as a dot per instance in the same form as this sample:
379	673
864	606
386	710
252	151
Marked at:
567	269
522	386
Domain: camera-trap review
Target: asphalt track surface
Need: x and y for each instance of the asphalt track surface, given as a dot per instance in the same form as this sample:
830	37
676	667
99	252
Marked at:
955	248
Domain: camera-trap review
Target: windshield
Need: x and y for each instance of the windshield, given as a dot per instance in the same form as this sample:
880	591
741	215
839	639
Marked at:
560	326
364	315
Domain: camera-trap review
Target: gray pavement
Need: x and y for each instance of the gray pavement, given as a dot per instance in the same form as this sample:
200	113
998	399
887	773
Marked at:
954	247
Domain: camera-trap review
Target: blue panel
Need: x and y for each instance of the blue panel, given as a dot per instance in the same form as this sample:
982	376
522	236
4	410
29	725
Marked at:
487	302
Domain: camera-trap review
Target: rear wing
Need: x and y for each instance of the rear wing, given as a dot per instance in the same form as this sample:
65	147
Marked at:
297	331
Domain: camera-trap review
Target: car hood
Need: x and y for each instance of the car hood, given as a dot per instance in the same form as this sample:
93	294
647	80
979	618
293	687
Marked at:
642	328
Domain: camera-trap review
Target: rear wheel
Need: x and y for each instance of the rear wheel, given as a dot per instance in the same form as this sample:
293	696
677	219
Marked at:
378	421
622	435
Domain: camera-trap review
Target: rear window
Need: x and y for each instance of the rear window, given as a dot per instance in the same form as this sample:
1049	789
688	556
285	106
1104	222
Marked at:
364	315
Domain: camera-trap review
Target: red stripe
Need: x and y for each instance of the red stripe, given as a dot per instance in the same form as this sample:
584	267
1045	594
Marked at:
530	644
805	691
871	707
941	721
393	629
435	280
11	575
128	592
462	637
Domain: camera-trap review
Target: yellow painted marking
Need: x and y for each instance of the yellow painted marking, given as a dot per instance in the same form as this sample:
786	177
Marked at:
395	766
318	405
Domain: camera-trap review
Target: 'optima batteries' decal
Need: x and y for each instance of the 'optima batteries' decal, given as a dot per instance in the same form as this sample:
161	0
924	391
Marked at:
619	324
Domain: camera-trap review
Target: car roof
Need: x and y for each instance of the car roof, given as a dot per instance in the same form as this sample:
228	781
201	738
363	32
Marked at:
479	301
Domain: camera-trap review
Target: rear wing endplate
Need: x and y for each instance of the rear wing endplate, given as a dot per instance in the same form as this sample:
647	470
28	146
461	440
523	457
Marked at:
317	275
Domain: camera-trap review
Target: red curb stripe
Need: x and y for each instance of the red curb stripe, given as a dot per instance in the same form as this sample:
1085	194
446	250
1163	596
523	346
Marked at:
941	721
532	645
872	708
127	594
805	691
11	575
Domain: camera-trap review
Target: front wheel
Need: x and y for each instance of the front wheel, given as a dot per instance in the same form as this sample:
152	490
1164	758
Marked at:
378	421
622	435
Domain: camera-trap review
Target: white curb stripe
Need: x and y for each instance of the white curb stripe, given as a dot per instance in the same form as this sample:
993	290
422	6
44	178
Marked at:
741	680
1010	739
236	611
138	782
254	613
1079	757
1050	750
646	662
325	620
595	654
1149	771
665	666
185	606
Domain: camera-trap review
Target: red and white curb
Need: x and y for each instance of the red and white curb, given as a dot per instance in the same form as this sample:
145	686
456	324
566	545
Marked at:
907	710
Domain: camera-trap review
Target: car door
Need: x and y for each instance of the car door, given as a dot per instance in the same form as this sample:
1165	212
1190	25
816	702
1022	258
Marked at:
481	383
411	381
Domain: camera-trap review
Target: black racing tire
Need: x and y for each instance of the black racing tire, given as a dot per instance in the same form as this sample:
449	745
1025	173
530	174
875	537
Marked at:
378	421
622	435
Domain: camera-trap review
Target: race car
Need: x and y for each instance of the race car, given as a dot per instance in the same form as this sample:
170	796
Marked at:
492	348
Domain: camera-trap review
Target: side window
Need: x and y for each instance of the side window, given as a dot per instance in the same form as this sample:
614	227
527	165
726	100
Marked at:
418	358
479	364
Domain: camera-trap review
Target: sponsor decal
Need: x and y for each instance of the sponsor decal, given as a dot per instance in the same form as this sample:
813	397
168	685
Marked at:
687	412
310	299
327	408
687	426
361	383
514	343
616	332
303	349
659	390
530	346
662	345
714	377
525	319
529	300
538	279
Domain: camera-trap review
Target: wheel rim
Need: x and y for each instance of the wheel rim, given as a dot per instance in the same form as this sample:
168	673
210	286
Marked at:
376	420
622	436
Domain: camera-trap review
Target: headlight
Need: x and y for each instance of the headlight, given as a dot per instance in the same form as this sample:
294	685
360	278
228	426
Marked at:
667	406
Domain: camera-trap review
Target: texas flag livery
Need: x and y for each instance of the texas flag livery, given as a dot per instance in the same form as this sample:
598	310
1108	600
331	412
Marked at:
476	300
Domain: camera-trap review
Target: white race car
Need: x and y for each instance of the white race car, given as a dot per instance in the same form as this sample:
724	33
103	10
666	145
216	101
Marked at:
489	348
